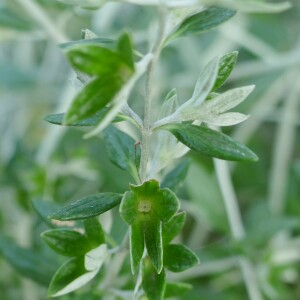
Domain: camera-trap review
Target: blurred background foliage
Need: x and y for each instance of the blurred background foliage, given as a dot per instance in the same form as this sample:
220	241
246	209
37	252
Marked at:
39	161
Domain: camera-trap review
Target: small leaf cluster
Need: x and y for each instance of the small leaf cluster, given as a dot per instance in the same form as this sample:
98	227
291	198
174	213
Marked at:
107	72
87	253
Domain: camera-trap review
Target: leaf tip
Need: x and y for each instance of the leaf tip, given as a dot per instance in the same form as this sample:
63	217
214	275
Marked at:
251	88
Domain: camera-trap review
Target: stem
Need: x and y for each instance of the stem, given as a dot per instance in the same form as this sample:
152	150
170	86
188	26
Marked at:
283	150
230	200
236	226
39	15
146	130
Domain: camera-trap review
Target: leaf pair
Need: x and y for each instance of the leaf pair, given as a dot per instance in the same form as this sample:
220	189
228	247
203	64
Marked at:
88	252
212	110
145	208
77	271
71	243
109	69
211	78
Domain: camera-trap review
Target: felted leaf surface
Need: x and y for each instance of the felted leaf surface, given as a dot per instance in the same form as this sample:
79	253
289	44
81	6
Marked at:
212	111
170	104
204	84
88	207
227	100
227	119
210	142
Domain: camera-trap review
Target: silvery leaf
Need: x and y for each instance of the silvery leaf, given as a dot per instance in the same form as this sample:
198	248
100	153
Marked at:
203	85
227	119
227	100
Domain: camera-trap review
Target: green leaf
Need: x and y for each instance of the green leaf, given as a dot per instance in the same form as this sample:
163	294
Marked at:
121	97
136	245
94	232
202	21
226	65
210	142
66	274
94	97
28	262
153	284
176	176
177	289
66	242
173	227
178	258
153	242
88	207
77	271
121	149
95	60
124	46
